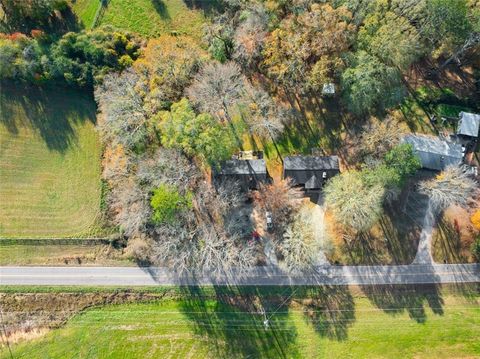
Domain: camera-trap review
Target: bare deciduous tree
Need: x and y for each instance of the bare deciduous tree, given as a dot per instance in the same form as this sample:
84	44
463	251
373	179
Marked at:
166	166
453	186
203	239
120	101
129	206
378	137
202	249
139	248
116	163
175	246
266	116
302	242
250	36
216	88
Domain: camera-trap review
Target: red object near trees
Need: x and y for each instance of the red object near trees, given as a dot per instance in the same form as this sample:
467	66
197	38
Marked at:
457	226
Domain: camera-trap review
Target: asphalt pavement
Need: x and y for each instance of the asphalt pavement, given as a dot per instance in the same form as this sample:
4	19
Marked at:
272	275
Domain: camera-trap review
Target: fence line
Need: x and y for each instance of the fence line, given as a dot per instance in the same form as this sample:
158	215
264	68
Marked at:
56	241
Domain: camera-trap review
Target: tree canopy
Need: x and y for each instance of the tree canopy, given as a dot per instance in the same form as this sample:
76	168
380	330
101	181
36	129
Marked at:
84	58
369	85
168	65
167	202
361	208
197	135
296	56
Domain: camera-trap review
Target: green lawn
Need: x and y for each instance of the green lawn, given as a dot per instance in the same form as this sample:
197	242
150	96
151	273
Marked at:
352	328
85	10
152	18
49	163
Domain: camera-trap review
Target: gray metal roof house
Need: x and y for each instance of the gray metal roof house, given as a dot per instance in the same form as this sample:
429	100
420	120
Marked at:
434	153
247	172
468	124
310	171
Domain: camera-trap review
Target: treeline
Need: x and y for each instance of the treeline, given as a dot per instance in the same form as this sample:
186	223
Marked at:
35	47
27	15
78	58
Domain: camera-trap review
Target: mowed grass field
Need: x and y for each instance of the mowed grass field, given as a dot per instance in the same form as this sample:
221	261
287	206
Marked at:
152	18
85	10
49	163
208	329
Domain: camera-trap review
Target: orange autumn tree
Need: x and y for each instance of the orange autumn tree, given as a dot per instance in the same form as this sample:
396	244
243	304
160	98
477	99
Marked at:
305	51
475	219
168	64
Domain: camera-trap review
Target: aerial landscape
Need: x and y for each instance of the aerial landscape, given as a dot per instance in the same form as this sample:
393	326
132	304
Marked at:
239	179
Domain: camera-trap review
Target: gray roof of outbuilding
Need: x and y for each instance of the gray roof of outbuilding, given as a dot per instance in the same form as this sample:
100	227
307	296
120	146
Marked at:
469	124
310	163
435	153
243	167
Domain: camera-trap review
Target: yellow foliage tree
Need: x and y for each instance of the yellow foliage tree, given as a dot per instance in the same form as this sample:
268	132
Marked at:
168	63
305	50
475	219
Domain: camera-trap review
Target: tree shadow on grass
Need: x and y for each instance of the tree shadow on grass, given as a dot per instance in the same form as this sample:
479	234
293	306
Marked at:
447	246
395	239
364	249
161	9
413	299
232	318
330	309
209	7
55	25
400	242
51	111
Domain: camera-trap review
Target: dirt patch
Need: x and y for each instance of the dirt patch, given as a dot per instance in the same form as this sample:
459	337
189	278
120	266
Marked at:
26	335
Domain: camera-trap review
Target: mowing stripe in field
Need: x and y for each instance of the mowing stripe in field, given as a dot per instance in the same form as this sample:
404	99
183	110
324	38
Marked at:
49	163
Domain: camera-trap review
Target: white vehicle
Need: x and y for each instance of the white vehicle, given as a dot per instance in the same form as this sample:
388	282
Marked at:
268	217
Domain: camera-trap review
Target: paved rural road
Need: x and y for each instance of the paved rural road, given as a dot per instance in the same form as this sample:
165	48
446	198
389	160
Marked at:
324	275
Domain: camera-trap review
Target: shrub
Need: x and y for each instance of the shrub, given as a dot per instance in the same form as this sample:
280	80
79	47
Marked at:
476	249
403	160
167	202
